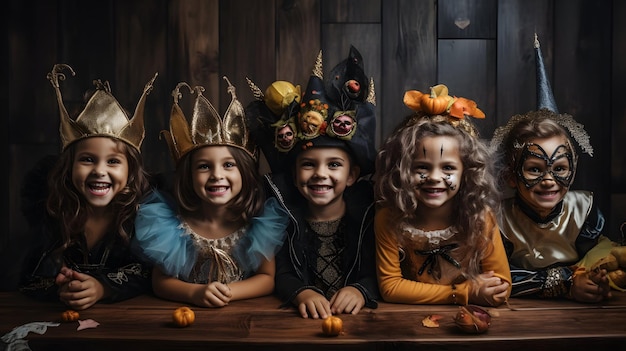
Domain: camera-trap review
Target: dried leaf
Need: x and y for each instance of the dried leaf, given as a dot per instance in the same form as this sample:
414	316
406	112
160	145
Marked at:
431	321
87	323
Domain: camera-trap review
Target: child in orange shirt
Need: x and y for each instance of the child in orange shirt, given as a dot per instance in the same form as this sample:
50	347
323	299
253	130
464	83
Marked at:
436	233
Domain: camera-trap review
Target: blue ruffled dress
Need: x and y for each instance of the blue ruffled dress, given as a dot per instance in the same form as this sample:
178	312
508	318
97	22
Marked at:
163	238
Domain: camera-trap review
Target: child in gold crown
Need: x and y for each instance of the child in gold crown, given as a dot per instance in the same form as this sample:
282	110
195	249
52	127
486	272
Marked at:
94	188
216	243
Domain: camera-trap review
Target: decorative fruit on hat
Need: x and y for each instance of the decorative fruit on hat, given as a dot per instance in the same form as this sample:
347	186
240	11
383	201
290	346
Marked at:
332	326
70	316
183	316
280	94
472	319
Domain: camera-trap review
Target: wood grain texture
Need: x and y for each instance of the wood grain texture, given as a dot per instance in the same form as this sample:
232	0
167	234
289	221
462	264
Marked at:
140	53
191	56
145	323
582	81
618	107
618	122
299	40
193	45
31	129
467	19
351	11
518	21
247	46
32	51
409	56
475	81
89	49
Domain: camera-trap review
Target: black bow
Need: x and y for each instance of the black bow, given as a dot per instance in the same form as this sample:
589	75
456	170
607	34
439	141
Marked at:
431	260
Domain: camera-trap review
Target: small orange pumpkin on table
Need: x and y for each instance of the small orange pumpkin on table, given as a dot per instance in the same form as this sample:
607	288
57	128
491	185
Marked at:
183	316
332	326
70	316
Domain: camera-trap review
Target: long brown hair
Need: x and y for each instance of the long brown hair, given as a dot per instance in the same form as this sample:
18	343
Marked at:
67	205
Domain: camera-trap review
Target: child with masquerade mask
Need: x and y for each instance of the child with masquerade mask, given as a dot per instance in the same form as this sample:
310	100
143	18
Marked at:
436	233
551	233
324	266
94	188
217	243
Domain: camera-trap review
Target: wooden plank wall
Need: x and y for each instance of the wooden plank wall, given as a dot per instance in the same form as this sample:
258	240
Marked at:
482	49
618	118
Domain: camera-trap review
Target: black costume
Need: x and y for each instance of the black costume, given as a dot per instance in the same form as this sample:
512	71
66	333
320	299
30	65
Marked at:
295	264
110	261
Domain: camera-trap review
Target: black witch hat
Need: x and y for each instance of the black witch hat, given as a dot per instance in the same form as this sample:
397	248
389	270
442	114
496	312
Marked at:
546	106
347	81
316	122
545	98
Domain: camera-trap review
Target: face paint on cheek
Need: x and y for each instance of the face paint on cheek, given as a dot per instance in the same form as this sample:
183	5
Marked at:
423	178
451	181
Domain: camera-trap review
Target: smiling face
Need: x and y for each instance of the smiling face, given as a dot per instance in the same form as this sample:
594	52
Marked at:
322	174
436	172
216	177
99	170
544	173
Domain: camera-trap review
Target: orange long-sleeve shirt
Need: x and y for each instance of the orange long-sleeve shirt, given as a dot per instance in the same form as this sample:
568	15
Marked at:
394	287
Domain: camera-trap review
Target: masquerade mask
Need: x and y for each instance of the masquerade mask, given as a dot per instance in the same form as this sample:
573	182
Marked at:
535	164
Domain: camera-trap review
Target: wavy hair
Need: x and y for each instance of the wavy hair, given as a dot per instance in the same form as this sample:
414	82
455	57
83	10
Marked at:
477	195
67	205
247	204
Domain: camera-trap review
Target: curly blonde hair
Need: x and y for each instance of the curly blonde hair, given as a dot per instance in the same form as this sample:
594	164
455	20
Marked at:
477	195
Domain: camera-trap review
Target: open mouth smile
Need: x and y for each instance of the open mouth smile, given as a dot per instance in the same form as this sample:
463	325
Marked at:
99	188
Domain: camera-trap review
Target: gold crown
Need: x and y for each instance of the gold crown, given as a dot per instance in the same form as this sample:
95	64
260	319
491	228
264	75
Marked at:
207	127
102	116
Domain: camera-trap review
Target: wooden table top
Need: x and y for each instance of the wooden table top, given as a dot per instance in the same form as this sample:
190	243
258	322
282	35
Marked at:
144	323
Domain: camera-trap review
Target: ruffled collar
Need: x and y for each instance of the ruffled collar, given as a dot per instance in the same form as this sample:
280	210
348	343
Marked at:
434	236
227	241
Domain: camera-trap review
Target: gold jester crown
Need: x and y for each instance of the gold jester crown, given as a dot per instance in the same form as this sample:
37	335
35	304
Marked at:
102	116
207	127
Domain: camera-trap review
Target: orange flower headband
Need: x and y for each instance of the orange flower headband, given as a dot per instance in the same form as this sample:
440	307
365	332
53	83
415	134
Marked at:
439	102
440	106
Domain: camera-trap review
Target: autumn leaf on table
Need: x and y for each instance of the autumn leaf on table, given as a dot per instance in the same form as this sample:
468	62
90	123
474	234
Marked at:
431	321
87	323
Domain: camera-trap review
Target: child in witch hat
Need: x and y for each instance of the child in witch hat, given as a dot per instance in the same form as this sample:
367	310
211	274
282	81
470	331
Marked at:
323	267
553	235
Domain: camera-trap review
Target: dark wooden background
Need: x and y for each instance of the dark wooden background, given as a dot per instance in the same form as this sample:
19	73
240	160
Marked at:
406	44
